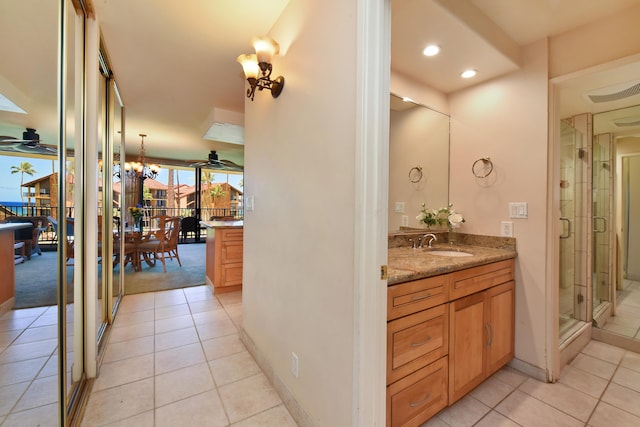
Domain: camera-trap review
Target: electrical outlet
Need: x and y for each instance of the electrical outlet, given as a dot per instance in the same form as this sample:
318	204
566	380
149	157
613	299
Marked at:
294	364
405	220
506	229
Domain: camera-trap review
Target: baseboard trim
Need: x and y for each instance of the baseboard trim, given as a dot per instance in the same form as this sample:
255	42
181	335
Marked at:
7	305
292	405
528	369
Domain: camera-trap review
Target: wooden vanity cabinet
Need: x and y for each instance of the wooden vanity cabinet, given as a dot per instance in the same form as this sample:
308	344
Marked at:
445	335
481	340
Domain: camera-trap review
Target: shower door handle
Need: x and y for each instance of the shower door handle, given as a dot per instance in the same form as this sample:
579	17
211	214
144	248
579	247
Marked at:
566	236
604	224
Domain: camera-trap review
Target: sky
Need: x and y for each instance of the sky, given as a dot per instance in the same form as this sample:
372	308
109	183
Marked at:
10	184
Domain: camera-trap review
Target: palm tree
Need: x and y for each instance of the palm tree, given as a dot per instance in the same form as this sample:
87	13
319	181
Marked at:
25	167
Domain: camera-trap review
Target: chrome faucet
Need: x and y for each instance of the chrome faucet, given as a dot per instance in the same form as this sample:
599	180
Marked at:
432	238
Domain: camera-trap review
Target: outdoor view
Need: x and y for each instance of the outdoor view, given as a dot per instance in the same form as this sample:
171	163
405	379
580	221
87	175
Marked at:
27	188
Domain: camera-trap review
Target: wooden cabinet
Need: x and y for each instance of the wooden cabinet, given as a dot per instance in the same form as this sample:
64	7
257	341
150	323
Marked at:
224	258
445	335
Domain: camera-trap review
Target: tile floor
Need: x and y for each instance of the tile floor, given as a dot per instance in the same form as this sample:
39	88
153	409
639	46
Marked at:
627	320
174	358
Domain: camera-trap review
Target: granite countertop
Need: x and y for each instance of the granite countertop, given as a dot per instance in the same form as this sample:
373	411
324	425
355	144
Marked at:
406	264
222	224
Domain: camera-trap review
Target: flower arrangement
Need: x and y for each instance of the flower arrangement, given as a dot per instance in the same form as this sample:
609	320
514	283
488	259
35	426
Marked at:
136	212
442	216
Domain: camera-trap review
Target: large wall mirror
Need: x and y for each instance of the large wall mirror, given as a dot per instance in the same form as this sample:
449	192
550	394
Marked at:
418	161
616	220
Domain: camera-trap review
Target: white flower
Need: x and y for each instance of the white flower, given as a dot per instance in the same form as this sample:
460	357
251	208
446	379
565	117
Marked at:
421	216
455	220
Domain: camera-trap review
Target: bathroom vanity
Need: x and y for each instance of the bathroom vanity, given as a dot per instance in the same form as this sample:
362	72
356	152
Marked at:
450	323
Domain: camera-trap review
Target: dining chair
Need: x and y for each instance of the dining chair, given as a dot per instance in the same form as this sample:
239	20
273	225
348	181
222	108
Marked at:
162	243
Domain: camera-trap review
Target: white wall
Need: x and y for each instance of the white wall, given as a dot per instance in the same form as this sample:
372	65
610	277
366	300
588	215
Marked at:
298	293
505	119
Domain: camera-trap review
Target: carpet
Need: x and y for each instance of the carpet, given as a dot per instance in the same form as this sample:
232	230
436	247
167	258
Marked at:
36	284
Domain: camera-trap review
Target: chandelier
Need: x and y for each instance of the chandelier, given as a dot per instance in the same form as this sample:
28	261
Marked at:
140	168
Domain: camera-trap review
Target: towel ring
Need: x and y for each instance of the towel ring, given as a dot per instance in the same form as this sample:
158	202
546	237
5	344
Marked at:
477	171
415	174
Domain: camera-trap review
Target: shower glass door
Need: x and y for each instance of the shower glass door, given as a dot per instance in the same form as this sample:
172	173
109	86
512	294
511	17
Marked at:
568	206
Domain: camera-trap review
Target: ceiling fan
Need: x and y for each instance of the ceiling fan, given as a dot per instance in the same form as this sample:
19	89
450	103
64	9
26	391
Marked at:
215	163
30	143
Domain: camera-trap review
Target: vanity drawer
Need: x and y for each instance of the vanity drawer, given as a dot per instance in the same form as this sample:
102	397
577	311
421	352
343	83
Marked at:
416	398
475	279
411	297
415	341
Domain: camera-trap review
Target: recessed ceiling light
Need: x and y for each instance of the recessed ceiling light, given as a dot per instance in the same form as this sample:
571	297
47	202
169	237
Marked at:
467	74
431	50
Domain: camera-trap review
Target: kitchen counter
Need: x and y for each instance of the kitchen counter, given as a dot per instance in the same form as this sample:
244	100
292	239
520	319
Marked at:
407	264
224	254
7	265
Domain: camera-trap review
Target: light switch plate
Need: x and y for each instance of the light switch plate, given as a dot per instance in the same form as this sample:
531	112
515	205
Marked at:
518	210
399	207
248	203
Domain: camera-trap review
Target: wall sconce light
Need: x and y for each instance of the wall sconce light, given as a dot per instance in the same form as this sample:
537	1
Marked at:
257	67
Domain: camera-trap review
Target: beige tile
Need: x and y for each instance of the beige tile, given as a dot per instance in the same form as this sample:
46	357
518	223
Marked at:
529	411
145	419
128	349
182	383
222	328
43	416
230	298
133	318
32	350
201	410
173	324
17	372
466	412
199	306
41	392
233	368
494	419
583	381
434	422
604	352
562	397
51	367
119	403
32	313
9	395
176	338
492	391
628	378
222	346
15	324
7	337
274	417
247	397
137	302
210	316
622	398
38	334
124	371
129	332
172	311
606	415
594	366
205	296
167	298
510	376
179	357
631	360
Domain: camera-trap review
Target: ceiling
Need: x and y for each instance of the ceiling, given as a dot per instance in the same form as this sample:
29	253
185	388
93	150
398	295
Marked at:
176	66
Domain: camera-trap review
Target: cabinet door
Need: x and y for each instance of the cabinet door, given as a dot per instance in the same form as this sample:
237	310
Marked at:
500	320
467	340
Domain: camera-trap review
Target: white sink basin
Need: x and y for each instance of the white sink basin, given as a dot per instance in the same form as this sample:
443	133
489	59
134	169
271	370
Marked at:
450	253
